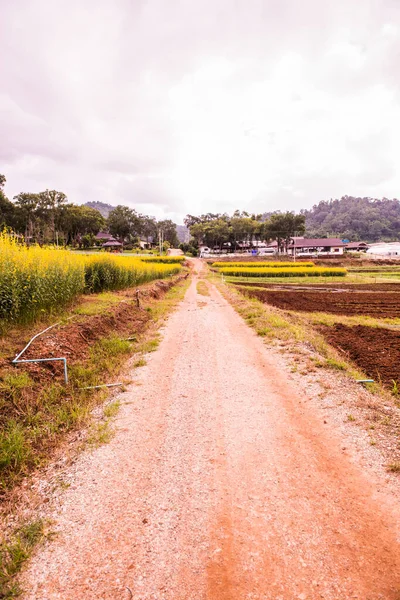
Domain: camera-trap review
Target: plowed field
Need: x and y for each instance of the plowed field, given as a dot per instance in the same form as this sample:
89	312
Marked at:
376	351
376	304
324	287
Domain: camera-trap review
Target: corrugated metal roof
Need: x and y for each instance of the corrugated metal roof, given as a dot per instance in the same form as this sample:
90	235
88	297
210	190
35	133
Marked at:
356	244
317	242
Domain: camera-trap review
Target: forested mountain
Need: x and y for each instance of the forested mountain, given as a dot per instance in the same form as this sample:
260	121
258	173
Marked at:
365	219
183	233
103	208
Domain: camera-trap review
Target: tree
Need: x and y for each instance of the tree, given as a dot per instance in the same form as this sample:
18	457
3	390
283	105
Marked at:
168	229
124	222
197	231
148	228
218	232
242	229
218	229
355	218
282	227
87	240
211	233
79	221
49	212
191	220
7	209
27	206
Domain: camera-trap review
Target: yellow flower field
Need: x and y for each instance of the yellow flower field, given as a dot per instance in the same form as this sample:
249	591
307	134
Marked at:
285	272
252	265
36	280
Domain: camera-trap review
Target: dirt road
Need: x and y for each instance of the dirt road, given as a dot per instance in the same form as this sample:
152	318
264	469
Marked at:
220	484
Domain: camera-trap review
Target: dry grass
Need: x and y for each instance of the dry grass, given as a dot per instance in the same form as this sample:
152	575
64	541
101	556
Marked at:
202	288
394	467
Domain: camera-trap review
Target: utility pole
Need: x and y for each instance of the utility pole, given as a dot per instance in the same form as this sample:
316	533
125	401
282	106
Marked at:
161	239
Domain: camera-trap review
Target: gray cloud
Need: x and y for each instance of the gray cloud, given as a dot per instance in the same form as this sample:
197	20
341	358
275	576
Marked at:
178	106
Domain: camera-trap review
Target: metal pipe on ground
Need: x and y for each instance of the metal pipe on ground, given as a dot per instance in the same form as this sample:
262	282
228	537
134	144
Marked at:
95	387
17	360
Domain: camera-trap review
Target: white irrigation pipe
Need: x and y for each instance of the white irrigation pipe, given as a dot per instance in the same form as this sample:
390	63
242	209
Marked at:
35	360
94	387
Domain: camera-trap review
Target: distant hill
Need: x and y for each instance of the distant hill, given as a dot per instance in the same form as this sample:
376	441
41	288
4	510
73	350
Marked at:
366	219
183	234
102	207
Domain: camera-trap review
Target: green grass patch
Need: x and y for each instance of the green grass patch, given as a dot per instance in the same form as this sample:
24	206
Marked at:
96	305
111	410
150	345
15	552
102	432
330	319
141	362
202	288
99	434
15	449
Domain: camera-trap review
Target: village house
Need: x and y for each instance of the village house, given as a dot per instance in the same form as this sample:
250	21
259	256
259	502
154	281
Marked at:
316	246
356	247
104	237
113	246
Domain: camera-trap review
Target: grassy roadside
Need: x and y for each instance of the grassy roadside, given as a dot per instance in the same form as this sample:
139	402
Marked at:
37	408
294	331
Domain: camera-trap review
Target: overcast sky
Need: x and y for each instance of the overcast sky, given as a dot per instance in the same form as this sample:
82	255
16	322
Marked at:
193	106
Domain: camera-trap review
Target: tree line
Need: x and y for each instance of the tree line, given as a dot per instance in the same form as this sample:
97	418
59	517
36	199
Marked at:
222	230
352	218
355	218
48	218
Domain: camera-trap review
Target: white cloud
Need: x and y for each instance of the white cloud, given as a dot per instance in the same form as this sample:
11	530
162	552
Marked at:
178	107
